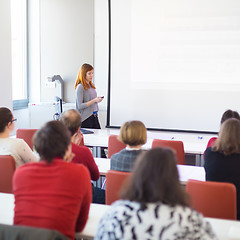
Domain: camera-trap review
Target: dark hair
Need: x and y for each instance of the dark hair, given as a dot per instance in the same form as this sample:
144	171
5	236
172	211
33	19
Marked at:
229	114
5	118
52	140
155	179
72	120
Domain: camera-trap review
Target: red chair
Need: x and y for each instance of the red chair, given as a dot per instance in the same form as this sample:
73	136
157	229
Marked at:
7	168
177	146
213	199
114	145
114	182
27	135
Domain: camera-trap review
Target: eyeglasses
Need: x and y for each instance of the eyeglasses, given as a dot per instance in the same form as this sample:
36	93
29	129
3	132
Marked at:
14	120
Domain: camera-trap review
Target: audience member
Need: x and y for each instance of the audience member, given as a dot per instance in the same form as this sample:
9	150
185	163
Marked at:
53	193
226	115
16	147
153	205
222	161
134	135
72	120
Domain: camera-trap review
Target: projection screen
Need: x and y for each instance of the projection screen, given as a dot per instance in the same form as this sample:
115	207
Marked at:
175	64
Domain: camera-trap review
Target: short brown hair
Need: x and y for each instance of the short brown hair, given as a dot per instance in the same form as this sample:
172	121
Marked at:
72	120
6	117
228	141
155	179
229	114
52	140
133	133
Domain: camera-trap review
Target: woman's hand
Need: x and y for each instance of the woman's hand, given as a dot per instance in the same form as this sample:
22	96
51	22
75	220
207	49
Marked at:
98	99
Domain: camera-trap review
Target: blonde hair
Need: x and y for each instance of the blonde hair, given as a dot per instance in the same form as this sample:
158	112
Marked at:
228	141
133	133
81	77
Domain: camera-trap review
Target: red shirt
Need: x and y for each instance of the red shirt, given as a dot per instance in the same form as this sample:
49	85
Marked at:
54	196
83	155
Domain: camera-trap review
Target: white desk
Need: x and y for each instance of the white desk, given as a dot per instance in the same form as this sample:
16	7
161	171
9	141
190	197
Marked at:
193	143
221	227
185	171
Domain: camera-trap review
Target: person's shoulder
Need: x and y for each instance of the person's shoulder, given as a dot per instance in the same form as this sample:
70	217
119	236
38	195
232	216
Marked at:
79	87
79	148
78	169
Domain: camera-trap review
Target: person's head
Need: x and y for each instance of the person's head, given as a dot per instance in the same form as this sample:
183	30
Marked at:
133	133
6	120
52	140
229	114
85	76
155	179
228	141
72	120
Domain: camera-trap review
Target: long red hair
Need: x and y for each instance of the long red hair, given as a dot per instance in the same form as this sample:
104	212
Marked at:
81	77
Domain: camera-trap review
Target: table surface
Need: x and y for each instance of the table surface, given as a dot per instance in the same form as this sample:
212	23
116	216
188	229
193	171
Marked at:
194	143
223	228
185	171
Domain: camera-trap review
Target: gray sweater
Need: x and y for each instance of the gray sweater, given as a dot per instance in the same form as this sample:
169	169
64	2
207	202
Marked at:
84	96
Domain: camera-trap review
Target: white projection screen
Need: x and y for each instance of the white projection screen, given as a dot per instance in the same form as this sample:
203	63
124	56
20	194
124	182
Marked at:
174	64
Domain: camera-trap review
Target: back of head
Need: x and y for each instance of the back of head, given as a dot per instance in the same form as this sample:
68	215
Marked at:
155	179
72	120
5	117
52	140
228	141
229	114
133	133
81	77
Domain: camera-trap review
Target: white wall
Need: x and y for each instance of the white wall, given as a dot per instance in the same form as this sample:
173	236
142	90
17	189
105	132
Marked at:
66	40
5	56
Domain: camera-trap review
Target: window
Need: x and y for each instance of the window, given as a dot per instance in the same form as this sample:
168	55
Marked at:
19	53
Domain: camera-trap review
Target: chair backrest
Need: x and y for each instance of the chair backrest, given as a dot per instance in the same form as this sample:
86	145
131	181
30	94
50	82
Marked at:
114	145
213	199
7	168
114	182
177	146
27	135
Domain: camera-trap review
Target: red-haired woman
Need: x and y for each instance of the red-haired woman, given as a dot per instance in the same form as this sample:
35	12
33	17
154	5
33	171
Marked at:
87	100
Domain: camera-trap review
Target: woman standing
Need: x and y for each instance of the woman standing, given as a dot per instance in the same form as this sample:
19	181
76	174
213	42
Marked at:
87	100
222	160
153	205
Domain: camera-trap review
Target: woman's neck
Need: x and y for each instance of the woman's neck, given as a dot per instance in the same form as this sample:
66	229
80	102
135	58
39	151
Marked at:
5	134
138	147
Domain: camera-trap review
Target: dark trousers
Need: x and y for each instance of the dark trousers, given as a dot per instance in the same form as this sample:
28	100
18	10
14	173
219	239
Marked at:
98	195
91	122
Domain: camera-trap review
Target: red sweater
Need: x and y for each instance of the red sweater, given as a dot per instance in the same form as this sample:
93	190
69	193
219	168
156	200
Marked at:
55	196
83	155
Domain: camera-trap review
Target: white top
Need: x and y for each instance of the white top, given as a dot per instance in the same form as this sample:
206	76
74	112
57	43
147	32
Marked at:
128	220
17	148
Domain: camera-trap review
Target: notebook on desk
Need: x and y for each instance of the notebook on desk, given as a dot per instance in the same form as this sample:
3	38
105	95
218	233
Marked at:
85	131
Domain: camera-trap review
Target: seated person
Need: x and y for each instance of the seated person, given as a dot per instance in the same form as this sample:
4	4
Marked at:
222	161
72	120
53	193
15	147
159	210
226	115
134	135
